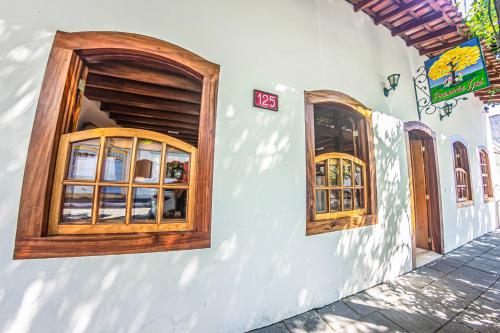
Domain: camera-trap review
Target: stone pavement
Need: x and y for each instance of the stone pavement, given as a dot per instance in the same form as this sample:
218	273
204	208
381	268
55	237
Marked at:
460	292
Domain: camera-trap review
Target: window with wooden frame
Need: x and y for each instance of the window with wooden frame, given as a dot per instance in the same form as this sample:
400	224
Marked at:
341	185
484	163
125	129
462	173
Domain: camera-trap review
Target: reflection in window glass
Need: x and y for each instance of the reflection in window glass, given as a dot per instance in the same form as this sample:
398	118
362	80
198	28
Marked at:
334	200
175	204
358	199
334	172
77	204
358	175
347	200
320	173
112	204
321	201
177	170
83	159
346	173
117	159
147	163
144	205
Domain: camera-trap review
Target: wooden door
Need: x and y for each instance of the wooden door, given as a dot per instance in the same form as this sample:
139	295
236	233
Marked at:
420	194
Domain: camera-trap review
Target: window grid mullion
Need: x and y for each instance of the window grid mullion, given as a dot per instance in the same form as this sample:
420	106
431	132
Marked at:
128	209
100	161
159	197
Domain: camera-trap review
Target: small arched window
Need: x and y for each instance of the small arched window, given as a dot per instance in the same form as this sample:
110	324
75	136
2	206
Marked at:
462	173
121	153
484	163
341	190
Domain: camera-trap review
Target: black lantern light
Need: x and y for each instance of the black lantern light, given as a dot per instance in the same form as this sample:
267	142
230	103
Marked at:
393	82
447	109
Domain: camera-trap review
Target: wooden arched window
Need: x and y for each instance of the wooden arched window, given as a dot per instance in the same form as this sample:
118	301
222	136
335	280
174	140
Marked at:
462	173
121	152
341	191
484	164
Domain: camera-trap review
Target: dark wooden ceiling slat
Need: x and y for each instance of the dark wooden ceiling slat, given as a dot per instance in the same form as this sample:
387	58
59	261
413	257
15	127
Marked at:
95	80
155	103
188	128
150	113
115	69
153	127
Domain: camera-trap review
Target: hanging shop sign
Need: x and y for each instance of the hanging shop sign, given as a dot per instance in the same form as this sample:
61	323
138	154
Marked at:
456	72
265	100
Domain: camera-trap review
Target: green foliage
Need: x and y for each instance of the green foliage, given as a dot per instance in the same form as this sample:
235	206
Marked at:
480	23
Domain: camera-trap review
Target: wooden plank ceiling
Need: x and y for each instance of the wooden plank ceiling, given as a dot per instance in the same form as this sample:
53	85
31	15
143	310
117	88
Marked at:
432	27
145	93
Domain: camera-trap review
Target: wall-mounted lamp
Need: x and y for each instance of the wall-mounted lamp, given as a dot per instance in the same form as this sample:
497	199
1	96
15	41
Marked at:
393	82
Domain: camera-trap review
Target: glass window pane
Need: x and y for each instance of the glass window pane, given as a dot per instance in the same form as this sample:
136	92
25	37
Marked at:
334	200
358	175
83	159
347	199
175	204
77	204
177	171
147	163
359	199
346	173
321	173
117	159
144	205
112	204
334	172
321	197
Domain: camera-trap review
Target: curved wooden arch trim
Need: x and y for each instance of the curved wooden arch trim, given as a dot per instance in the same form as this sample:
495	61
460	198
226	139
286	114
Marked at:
419	126
314	226
105	40
60	82
331	96
457	138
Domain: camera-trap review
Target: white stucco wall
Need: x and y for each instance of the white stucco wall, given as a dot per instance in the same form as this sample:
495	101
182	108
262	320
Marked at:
261	266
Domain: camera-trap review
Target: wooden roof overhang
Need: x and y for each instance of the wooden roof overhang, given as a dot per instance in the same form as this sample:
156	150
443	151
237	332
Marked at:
432	27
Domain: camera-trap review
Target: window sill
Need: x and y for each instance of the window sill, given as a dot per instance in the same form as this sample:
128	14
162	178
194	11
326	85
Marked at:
465	203
343	223
111	244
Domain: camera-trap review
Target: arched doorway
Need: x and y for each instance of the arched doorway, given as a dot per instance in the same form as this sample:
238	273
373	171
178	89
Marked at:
427	240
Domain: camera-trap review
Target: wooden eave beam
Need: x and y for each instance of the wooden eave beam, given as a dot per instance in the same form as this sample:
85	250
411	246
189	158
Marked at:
440	48
399	11
413	24
431	36
362	4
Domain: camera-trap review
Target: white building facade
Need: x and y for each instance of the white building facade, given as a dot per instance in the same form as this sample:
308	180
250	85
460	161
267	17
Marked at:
260	266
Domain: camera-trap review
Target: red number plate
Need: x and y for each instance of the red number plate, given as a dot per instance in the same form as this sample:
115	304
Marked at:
265	100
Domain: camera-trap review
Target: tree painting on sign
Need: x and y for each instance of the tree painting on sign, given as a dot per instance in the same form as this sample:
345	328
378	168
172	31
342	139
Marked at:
456	72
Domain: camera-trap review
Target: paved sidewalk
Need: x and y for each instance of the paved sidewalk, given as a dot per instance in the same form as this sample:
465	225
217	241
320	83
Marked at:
460	292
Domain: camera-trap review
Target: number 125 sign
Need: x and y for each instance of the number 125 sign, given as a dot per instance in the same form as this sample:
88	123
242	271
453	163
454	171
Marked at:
265	100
